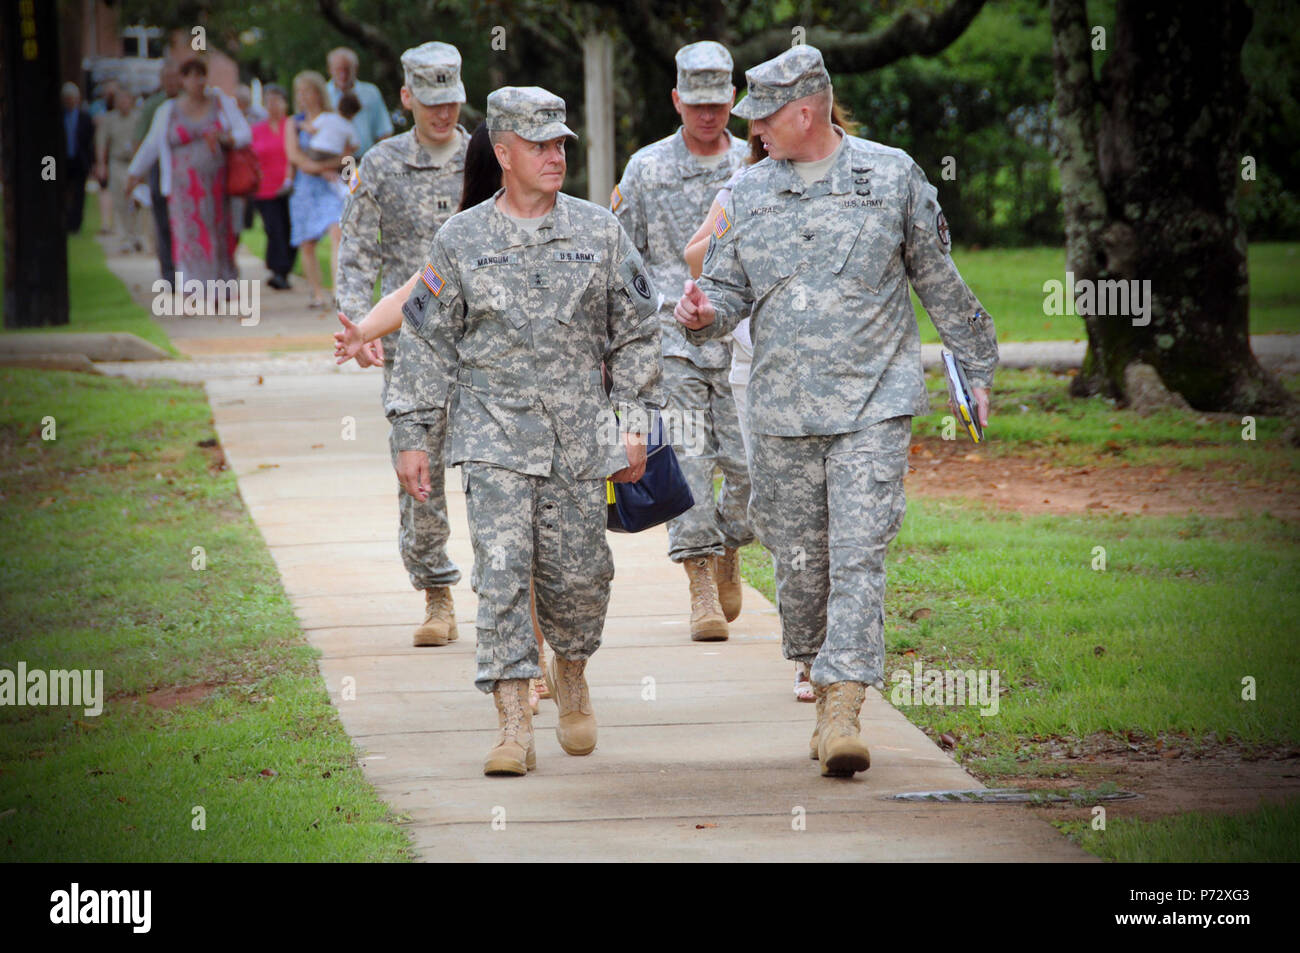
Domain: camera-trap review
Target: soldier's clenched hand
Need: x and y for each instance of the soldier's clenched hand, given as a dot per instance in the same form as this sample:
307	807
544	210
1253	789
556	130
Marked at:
981	396
634	444
372	354
694	310
413	472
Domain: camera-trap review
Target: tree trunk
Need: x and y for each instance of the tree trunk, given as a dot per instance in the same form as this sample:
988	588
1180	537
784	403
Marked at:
1082	198
35	170
1154	201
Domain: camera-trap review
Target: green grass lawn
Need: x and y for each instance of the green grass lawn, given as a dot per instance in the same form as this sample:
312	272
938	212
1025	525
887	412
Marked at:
1269	835
97	571
1009	282
1031	414
98	302
1158	642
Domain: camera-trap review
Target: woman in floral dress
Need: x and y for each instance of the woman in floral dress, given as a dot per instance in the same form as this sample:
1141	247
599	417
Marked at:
189	137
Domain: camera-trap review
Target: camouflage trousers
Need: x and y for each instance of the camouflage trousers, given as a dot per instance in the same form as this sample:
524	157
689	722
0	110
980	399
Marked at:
701	422
423	528
827	508
551	529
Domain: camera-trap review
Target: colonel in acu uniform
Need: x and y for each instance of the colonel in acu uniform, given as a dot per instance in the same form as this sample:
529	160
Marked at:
821	240
520	301
403	191
665	192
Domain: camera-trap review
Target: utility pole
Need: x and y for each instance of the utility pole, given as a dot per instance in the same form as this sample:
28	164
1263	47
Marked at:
598	74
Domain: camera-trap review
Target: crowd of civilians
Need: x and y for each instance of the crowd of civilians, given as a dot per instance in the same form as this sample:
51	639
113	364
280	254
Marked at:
165	157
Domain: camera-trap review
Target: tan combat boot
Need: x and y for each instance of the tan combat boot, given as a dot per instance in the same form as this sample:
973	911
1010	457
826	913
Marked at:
727	569
708	624
819	693
839	748
514	752
439	626
576	728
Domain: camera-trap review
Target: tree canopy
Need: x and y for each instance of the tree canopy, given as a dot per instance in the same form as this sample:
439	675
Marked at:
965	80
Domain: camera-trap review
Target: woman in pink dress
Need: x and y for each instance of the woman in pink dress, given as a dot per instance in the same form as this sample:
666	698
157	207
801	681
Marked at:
272	198
189	136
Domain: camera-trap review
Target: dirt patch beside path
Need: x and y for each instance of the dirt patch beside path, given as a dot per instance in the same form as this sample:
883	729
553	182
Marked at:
945	468
1221	782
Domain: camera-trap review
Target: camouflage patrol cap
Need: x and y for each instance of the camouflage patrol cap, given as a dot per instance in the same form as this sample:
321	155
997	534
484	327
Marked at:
433	73
796	73
530	112
704	74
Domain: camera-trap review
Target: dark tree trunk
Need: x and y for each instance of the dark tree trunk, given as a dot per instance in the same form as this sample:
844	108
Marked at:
1150	190
31	127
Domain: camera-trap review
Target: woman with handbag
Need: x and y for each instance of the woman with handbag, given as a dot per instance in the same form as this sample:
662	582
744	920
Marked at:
189	137
315	204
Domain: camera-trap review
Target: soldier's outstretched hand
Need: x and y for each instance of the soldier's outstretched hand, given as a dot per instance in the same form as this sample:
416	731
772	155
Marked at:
694	309
413	472
348	341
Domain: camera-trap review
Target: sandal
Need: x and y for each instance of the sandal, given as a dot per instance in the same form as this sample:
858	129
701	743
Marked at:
803	690
539	684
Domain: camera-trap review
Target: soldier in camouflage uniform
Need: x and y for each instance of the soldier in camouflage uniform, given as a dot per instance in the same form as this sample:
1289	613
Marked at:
665	191
403	191
821	239
519	302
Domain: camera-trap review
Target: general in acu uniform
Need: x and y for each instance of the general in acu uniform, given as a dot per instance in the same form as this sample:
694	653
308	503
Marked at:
665	193
513	318
837	376
406	187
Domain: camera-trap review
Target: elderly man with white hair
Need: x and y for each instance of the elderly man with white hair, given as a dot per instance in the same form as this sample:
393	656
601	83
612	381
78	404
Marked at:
373	122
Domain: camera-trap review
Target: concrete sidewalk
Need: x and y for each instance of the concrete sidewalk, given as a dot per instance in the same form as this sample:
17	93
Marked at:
283	320
703	749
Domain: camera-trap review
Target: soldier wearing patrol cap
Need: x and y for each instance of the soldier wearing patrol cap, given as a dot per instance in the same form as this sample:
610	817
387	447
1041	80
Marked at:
518	303
665	191
821	239
404	189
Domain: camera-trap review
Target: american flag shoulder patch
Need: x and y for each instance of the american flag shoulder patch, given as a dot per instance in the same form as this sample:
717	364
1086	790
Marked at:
615	199
721	224
432	279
